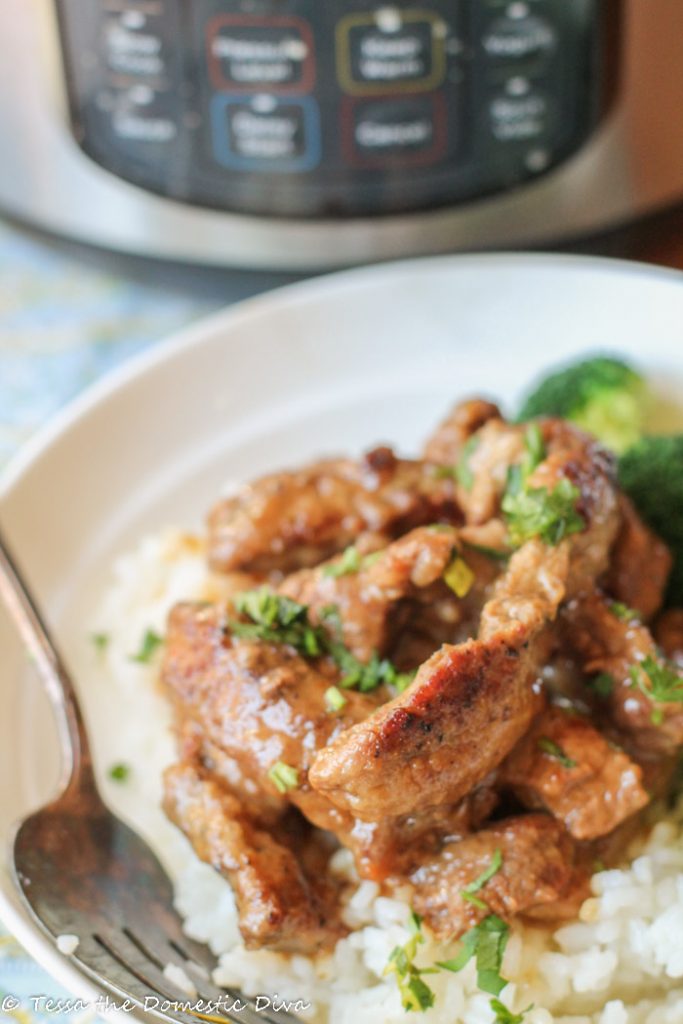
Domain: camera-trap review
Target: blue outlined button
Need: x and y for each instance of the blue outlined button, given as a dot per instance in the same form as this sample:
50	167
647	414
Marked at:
273	134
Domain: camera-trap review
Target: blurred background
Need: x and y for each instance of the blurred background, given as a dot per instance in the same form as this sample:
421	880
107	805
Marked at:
163	158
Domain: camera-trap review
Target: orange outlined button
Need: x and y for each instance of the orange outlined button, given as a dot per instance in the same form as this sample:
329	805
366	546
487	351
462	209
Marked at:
252	54
405	54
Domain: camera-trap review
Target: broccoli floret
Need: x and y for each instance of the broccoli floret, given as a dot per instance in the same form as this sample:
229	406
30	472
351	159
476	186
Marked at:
651	473
602	395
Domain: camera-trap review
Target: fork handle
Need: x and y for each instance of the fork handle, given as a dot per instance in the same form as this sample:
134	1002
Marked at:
24	613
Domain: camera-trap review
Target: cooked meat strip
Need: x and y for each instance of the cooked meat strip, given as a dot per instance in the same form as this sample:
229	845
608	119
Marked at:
258	703
605	643
446	443
495	447
285	898
668	633
368	600
292	520
563	764
242	706
640	564
577	457
471	703
393	847
467	707
538	869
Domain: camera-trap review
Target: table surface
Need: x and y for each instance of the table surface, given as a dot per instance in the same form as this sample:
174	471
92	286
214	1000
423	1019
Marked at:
69	314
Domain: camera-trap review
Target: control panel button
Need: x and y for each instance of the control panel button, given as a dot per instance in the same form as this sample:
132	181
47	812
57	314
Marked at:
390	51
266	133
394	131
515	38
519	118
249	53
133	44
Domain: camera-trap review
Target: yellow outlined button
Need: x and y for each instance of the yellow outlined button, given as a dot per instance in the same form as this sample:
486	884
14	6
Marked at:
366	86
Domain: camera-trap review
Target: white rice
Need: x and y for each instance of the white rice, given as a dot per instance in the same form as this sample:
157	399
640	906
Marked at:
621	962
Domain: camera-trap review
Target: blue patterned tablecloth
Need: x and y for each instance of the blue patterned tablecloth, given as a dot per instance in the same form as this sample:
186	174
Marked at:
66	317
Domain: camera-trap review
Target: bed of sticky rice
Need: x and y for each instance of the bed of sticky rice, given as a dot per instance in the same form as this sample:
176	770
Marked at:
620	962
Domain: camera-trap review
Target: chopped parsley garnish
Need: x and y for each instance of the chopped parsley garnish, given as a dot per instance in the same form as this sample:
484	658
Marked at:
505	1016
366	676
463	472
469	892
151	641
623	612
486	942
554	750
538	512
415	993
459	577
602	684
349	563
280	620
100	641
119	772
334	699
666	685
283	777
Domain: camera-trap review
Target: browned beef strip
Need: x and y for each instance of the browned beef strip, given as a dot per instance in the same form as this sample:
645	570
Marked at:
465	710
284	896
668	633
538	870
370	602
605	643
466	418
563	764
292	520
640	564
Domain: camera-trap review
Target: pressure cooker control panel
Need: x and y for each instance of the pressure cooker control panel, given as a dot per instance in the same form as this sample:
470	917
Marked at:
332	107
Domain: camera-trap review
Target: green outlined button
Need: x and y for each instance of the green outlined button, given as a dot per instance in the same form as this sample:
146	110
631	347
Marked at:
385	55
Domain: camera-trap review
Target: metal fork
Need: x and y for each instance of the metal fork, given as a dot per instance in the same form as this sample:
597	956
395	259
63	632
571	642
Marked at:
83	872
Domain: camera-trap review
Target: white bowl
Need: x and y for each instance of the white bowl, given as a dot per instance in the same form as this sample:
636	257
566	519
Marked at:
330	365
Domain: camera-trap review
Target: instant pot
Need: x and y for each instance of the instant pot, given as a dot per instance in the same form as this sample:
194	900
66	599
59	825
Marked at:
310	133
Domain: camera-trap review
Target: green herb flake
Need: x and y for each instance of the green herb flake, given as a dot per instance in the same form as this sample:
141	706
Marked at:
149	645
349	563
554	750
535	449
279	620
622	612
416	995
283	777
369	560
100	641
602	685
119	772
538	512
486	942
459	577
505	1016
468	893
665	684
493	553
463	471
334	700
